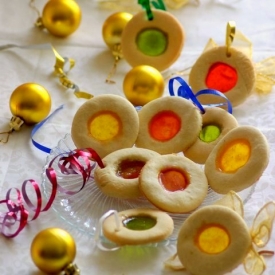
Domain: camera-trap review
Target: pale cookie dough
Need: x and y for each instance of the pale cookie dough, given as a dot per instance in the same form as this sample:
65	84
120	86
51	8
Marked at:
162	21
225	121
123	236
197	260
242	64
190	124
180	201
124	114
108	180
246	175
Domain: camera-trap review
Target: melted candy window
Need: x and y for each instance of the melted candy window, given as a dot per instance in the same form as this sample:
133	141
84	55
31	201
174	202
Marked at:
234	155
139	222
221	77
173	180
212	239
209	133
104	126
152	42
130	169
164	126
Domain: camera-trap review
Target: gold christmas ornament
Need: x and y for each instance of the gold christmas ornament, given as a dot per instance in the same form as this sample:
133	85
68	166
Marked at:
60	17
143	84
53	250
29	103
111	32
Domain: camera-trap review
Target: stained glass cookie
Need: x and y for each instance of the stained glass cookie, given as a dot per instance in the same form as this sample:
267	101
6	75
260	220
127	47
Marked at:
173	183
238	160
138	226
168	125
157	42
105	123
232	74
213	240
216	123
120	176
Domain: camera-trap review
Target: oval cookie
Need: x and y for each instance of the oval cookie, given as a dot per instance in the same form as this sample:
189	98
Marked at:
213	240
232	75
138	226
157	42
105	123
168	125
238	160
173	183
120	176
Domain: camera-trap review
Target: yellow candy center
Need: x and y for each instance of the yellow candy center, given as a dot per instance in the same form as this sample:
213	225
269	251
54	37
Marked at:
104	126
212	239
234	156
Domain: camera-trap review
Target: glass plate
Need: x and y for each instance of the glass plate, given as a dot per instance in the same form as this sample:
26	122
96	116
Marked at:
83	210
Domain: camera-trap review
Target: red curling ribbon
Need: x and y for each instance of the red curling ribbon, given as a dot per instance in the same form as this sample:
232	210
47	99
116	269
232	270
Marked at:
76	162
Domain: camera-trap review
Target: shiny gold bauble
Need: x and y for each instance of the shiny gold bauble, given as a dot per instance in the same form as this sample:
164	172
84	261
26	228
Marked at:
31	102
142	84
61	17
113	27
52	250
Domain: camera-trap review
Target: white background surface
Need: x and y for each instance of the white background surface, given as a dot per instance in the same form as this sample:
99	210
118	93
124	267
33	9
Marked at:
19	160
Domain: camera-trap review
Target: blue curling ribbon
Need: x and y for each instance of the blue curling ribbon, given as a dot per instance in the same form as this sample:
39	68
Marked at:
185	91
38	126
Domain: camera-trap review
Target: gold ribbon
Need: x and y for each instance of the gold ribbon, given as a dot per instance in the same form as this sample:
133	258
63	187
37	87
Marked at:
59	67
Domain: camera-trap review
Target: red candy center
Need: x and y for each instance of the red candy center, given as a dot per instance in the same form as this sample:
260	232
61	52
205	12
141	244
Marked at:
164	125
221	77
130	169
173	180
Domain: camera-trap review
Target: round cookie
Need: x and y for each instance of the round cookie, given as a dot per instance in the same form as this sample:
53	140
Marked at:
168	125
236	70
120	176
157	42
213	240
216	123
105	123
173	183
138	226
238	160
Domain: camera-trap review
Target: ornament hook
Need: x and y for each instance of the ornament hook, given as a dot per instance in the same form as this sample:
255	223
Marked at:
15	125
230	34
38	22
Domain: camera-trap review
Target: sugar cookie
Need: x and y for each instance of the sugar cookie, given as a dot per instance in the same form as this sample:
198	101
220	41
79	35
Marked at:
119	177
157	42
213	240
238	160
138	226
233	75
105	123
216	123
168	125
173	183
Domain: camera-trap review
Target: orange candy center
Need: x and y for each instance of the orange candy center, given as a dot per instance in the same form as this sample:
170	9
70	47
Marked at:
164	125
221	77
130	169
104	126
234	156
173	180
212	239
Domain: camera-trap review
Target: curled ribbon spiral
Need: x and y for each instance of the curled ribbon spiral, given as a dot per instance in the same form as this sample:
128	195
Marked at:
17	216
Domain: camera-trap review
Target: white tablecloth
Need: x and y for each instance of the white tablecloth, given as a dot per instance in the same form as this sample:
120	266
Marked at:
20	160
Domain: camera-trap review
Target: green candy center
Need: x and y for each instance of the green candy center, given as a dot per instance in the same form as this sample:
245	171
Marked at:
209	133
139	223
152	42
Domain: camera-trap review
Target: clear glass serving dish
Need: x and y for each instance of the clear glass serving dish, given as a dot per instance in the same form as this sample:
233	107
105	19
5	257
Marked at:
83	210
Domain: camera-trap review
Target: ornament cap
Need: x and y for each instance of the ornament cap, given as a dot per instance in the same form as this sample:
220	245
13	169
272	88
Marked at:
71	269
16	123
